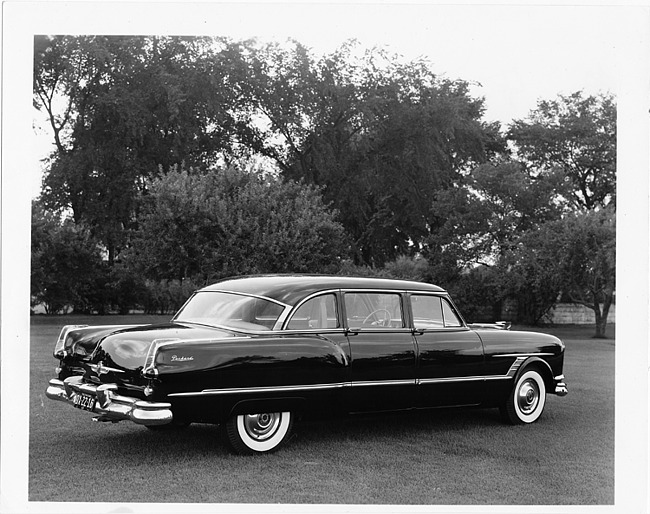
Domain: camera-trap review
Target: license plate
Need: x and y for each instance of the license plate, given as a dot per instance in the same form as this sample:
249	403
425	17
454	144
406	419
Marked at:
84	402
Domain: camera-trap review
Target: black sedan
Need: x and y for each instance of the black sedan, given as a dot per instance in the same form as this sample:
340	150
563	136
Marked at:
252	353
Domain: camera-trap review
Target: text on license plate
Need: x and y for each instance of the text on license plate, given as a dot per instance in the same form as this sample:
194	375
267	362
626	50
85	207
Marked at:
84	401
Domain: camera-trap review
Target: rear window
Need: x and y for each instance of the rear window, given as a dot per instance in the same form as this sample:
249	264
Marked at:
237	311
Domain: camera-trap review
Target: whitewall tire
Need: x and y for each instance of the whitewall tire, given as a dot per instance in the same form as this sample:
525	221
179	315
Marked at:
527	399
258	433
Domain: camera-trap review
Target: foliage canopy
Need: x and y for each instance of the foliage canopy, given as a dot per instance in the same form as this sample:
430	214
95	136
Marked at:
573	136
207	226
365	163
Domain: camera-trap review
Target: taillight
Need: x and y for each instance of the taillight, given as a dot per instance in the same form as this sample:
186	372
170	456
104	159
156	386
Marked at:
59	347
149	370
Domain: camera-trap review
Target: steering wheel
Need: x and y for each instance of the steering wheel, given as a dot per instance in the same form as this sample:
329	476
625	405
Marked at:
385	322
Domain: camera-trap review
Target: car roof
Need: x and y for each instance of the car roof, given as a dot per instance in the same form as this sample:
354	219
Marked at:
290	289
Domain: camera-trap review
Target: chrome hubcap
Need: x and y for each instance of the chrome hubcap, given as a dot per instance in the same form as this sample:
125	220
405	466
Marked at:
262	426
528	396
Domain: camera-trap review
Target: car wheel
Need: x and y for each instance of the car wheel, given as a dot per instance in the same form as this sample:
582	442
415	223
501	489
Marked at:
526	401
258	433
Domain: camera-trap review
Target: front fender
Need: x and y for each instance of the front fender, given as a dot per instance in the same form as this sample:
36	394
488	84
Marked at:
542	366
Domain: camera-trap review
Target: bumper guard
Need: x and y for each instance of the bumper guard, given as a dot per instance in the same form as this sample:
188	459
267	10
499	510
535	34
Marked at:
560	386
109	405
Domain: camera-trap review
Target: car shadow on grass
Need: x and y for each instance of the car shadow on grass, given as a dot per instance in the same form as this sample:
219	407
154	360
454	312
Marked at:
198	439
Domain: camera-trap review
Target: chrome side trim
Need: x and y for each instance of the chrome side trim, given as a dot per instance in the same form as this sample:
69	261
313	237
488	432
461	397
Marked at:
372	330
366	383
264	389
512	371
337	385
309	331
296	388
442	380
546	354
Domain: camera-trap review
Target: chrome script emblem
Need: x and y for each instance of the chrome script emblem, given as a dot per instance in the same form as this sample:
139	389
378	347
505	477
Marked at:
182	358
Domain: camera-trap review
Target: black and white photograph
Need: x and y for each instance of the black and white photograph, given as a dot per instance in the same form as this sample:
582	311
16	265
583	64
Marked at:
325	257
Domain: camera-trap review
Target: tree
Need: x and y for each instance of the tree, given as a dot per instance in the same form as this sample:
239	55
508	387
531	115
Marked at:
66	263
376	133
573	136
590	270
575	257
479	219
572	139
206	226
562	162
381	136
120	109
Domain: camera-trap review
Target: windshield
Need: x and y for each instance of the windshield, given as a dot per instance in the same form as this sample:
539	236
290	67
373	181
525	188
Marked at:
231	310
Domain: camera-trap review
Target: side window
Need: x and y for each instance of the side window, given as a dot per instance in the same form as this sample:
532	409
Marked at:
427	311
317	313
374	310
451	320
432	312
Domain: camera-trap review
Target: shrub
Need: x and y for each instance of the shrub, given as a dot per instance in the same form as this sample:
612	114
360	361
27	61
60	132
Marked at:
166	296
207	226
67	266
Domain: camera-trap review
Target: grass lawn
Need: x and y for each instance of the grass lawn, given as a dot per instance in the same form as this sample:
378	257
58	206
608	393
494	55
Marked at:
439	457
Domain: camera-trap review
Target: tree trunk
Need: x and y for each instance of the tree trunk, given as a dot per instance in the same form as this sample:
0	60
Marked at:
601	317
601	324
497	310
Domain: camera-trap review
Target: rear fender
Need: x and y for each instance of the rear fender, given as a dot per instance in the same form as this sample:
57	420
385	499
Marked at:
82	340
176	356
267	405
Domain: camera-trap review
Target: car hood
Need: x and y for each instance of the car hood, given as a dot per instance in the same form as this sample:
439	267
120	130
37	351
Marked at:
505	341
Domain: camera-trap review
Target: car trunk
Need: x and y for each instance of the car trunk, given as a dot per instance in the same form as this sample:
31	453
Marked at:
117	354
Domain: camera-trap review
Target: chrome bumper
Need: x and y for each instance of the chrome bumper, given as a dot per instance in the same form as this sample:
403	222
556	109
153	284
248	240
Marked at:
109	405
560	386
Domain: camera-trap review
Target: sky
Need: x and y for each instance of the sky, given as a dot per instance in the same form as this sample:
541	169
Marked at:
518	53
